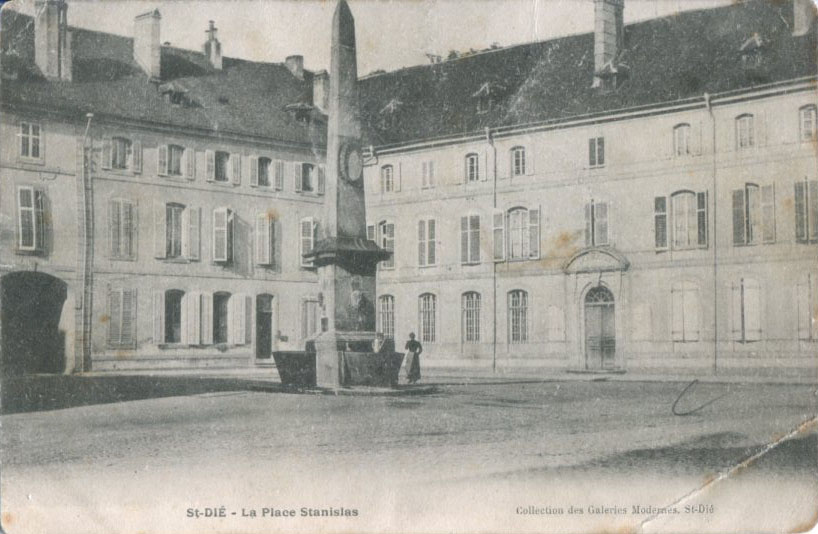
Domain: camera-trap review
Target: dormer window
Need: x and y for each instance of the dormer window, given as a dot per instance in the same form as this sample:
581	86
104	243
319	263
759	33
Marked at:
301	112
175	94
389	113
486	96
752	51
807	115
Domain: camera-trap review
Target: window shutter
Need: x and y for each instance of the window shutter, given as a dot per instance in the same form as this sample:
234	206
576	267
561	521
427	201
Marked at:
812	210
114	316
424	173
306	239
263	241
207	318
370	232
106	153
701	218
660	222
185	319
534	233
484	169
194	318
128	325
431	237
137	156
736	315
158	317
803	298
253	171
235	164
464	239
592	152
696	138
421	243
800	211
499	235
194	233
114	230
739	220
248	319
210	165
601	223
190	163
752	310
677	313
129	226
279	175
768	213
237	319
39	220
691	314
220	234
162	160
529	162
431	171
589	230
159	229
186	216
322	179
298	171
474	240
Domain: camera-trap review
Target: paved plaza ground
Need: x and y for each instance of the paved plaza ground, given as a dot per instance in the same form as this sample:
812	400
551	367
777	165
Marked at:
478	454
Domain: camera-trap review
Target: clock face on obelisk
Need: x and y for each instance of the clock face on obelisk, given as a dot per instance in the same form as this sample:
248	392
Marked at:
350	163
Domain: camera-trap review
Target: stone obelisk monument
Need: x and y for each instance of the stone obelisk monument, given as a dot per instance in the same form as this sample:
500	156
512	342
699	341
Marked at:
346	260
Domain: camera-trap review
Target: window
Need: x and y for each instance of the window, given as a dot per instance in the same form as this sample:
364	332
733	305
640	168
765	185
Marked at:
596	224
176	160
223	235
806	211
807	115
310	320
264	172
518	161
121	153
30	219
30	141
386	240
517	316
173	316
685	312
807	298
175	157
523	234
222	160
122	229
386	316
689	219
221	305
660	222
753	215
681	140
745	131
471	317
596	151
173	230
426	242
307	237
265	239
305	177
122	318
746	303
426	309
387	180
472	168
499	236
470	239
428	172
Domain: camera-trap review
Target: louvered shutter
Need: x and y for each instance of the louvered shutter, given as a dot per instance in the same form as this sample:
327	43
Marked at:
185	319
431	240
768	213
752	310
696	138
660	222
677	312
114	316
691	314
529	162
800	211
739	218
185	225
220	237
263	241
210	165
114	229
279	175
128	326
194	318
322	179
235	168
106	153
589	231
499	235
421	243
137	157
162	160
190	163
812	210
534	233
397	178
803	299
194	233
370	232
484	169
701	218
737	320
207	318
601	223
431	173
248	319
474	239
306	239
129	226
159	229
464	239
158	317
253	171
298	171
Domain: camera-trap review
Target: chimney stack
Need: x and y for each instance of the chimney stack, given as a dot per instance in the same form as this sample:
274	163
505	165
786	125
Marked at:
803	14
296	66
146	50
609	35
52	40
320	90
212	47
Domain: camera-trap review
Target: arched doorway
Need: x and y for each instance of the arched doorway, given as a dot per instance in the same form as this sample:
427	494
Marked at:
264	327
600	329
32	342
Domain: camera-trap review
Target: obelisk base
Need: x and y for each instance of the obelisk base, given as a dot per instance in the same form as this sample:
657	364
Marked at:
345	359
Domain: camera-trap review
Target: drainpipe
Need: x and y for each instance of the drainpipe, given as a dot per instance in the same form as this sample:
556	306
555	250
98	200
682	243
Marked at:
86	251
490	141
709	104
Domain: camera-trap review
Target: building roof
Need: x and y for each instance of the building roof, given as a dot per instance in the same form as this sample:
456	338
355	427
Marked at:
664	59
245	97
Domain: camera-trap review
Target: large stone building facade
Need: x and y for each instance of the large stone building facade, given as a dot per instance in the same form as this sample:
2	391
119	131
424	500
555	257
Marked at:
627	199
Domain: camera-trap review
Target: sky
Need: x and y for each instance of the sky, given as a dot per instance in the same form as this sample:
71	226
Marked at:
390	33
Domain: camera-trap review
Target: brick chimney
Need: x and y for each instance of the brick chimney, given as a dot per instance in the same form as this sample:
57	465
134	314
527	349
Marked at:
52	40
296	66
320	90
212	47
609	37
803	14
146	44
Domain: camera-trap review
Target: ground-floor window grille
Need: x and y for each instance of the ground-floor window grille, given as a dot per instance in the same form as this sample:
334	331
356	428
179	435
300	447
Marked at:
518	316
471	317
386	316
427	317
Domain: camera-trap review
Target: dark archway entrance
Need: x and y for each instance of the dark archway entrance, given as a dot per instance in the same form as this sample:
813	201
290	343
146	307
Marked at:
31	304
264	327
600	329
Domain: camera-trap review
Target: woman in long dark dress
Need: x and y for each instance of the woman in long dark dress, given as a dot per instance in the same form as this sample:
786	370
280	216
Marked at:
413	350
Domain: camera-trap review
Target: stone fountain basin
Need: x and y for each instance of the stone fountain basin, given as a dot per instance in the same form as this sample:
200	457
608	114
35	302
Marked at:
381	369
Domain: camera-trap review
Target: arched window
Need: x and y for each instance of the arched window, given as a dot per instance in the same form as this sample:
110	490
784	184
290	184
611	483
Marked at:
426	319
387	179
807	116
681	139
173	315
745	131
471	317
685	311
518	238
517	316
685	220
472	168
386	316
518	161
